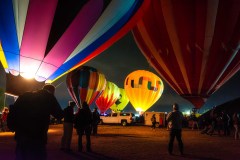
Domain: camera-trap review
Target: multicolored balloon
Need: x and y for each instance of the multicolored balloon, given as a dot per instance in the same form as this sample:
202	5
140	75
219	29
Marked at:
143	89
121	102
109	96
45	39
85	84
193	45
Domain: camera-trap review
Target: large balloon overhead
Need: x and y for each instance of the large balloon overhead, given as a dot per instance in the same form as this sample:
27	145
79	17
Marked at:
121	102
193	45
85	84
109	96
45	39
143	89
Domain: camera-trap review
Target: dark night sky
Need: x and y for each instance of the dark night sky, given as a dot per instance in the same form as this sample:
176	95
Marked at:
124	57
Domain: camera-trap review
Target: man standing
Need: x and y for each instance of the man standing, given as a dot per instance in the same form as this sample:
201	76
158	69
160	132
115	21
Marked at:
68	127
176	118
96	119
83	121
194	120
4	119
153	119
29	117
226	123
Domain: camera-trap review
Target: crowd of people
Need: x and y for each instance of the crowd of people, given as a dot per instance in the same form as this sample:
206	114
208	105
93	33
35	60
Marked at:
214	122
217	122
40	105
37	108
220	123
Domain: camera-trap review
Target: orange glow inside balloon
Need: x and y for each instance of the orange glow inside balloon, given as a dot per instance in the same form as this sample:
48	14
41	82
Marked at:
143	89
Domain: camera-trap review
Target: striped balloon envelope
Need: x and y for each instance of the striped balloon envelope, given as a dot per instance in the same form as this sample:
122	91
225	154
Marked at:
85	84
193	45
108	97
45	39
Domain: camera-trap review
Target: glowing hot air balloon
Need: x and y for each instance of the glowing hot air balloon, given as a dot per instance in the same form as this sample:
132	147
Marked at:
108	97
143	89
45	39
85	84
121	102
193	45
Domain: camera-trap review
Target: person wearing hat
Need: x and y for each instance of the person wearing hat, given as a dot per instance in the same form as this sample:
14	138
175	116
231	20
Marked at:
176	118
68	126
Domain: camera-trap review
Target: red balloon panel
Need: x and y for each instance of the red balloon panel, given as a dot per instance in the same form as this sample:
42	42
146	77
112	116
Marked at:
192	44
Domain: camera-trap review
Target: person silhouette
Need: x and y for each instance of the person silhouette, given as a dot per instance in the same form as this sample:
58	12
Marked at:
82	124
96	120
176	118
4	119
29	118
153	119
236	122
68	127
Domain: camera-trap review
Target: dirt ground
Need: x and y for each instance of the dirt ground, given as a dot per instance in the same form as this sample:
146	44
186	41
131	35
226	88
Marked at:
133	143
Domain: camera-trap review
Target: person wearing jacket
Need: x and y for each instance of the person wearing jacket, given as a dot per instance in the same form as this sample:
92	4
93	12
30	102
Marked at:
96	120
67	127
82	124
175	118
29	118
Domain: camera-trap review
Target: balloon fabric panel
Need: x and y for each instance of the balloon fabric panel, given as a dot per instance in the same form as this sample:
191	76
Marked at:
8	37
72	36
121	102
143	89
66	10
108	97
55	29
93	81
20	9
36	44
97	43
139	13
193	45
72	82
84	77
2	58
85	84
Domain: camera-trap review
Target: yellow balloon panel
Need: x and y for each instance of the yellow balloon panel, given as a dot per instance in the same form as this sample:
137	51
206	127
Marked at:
143	89
121	102
2	57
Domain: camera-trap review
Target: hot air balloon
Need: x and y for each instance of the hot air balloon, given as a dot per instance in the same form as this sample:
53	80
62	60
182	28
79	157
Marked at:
108	97
121	102
46	39
143	89
85	84
193	45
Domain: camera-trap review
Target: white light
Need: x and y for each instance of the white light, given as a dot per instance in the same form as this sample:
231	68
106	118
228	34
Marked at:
28	75
139	109
187	112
